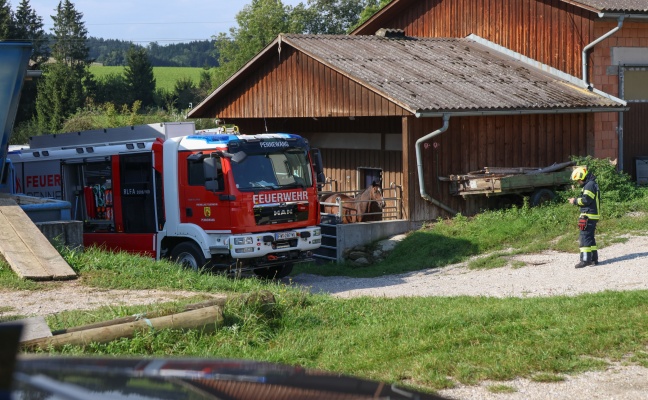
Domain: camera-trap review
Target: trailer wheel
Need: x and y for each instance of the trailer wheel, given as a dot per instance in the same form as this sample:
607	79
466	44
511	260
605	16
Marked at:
189	255
541	196
278	272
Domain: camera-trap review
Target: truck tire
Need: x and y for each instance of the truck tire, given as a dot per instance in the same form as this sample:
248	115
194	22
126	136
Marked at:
278	272
189	255
541	196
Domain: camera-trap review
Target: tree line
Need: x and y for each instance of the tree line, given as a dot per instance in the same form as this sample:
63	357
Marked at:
197	54
67	97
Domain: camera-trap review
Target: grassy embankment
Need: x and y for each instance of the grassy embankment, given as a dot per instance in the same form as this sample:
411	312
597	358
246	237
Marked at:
426	343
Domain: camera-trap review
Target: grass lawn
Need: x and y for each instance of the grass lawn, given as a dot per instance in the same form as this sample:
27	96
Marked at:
165	77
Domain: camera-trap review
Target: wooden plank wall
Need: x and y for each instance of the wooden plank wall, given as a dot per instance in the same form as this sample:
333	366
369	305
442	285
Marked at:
471	143
295	85
550	31
342	167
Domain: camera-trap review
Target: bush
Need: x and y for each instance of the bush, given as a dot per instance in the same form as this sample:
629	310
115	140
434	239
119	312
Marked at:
23	131
616	186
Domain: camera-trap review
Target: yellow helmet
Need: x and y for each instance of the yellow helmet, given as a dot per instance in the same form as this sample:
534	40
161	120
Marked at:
579	174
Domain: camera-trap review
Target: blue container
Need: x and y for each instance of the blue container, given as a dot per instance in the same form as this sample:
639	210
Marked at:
44	210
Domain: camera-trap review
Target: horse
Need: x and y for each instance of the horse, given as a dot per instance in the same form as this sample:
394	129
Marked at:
370	203
349	213
365	207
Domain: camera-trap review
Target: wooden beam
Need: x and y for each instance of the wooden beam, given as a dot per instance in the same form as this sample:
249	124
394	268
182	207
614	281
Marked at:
207	318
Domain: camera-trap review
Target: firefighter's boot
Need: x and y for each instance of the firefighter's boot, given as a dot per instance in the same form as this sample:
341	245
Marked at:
594	257
585	260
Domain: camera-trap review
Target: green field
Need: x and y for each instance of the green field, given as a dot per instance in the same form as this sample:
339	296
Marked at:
165	77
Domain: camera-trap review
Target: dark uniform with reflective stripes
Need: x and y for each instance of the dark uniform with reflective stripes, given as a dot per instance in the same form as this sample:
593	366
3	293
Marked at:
589	203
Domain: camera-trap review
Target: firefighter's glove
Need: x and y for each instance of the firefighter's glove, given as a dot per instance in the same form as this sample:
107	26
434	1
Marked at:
582	223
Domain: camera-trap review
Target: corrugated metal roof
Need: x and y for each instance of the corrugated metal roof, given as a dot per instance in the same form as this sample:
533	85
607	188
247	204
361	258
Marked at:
638	6
447	74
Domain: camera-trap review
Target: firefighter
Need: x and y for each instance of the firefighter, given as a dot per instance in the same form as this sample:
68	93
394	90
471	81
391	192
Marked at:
589	203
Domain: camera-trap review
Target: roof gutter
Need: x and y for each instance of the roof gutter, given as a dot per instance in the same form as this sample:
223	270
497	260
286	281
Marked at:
595	42
419	164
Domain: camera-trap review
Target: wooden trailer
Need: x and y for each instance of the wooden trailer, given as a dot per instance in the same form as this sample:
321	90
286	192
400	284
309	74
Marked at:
539	184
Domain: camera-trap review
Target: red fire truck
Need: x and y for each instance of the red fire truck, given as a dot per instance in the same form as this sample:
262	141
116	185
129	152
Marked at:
215	199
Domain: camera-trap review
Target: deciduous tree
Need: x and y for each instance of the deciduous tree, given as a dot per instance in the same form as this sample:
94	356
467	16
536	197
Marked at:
332	17
185	93
259	23
372	7
112	88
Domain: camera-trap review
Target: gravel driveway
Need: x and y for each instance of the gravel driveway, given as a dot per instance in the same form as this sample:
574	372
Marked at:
622	266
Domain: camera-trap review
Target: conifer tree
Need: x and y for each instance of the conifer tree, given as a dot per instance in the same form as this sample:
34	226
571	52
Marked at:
70	36
29	26
6	20
139	76
60	94
61	89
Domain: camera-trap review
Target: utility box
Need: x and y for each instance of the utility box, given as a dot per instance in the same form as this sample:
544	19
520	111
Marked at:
641	166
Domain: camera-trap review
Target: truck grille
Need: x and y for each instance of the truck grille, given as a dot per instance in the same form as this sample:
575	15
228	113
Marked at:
278	214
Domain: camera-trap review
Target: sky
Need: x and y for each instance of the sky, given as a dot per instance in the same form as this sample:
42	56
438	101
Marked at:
144	21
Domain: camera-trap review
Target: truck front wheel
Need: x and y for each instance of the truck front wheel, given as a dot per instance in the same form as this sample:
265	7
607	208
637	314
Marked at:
189	255
277	272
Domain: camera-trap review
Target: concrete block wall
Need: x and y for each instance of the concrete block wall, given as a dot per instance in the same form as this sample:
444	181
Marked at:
66	233
352	235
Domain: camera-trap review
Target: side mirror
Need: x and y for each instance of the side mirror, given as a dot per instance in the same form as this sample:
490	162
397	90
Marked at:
318	165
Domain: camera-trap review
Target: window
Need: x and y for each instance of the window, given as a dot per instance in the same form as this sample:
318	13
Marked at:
205	171
195	172
367	176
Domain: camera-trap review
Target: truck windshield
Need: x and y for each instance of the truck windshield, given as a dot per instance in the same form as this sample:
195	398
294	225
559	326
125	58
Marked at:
289	169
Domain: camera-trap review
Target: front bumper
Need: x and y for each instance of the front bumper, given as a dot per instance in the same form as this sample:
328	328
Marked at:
274	244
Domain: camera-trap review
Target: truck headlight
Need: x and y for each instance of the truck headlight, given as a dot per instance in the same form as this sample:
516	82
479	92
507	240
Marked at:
243	240
317	232
244	250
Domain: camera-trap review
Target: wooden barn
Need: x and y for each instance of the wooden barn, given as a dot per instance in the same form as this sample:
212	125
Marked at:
426	89
603	42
